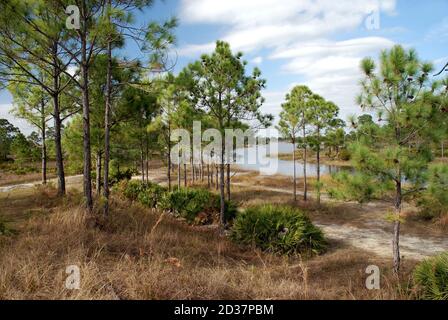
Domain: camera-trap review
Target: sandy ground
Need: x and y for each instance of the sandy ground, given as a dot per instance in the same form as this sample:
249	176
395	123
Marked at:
364	229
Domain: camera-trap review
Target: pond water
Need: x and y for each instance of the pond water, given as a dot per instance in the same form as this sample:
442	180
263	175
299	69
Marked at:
263	158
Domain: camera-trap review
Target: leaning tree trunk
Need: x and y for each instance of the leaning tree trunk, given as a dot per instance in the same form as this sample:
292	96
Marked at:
396	237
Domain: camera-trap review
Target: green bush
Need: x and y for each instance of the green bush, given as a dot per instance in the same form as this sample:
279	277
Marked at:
431	277
4	230
197	206
433	202
278	229
344	155
151	195
131	189
117	176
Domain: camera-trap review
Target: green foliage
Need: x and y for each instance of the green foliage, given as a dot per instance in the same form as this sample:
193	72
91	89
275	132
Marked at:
293	117
4	230
356	186
344	155
151	195
7	135
131	189
434	200
23	150
431	278
197	206
279	229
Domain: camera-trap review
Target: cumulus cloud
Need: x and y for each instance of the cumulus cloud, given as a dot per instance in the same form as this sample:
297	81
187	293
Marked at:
299	34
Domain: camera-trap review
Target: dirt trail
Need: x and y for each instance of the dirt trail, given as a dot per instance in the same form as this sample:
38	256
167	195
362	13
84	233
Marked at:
375	238
70	180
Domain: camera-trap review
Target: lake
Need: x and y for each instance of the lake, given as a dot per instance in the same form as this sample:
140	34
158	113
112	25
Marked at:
263	158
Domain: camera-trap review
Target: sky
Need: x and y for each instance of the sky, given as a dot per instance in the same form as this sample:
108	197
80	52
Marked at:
318	43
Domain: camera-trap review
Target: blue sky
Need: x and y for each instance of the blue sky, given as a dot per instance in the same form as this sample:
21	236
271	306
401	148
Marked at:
314	42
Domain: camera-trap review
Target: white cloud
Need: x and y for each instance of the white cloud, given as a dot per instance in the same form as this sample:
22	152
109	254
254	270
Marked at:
24	126
257	60
255	24
298	32
331	68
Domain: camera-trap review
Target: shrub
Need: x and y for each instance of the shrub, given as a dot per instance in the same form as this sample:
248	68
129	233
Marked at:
132	189
431	278
4	230
151	195
116	176
357	186
344	155
279	229
433	202
197	206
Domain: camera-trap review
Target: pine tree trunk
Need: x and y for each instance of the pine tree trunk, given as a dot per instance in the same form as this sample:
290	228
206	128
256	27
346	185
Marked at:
44	145
294	165
178	173
142	162
396	237
87	177
168	172
147	157
57	125
169	157
58	147
228	181
98	173
217	177
185	175
318	166
107	125
305	184
208	175
221	191
212	174
192	171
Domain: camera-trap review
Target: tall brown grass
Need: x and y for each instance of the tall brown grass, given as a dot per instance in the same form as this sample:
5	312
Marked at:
140	254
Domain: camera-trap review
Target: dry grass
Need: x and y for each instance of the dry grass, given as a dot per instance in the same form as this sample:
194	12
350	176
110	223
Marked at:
141	254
